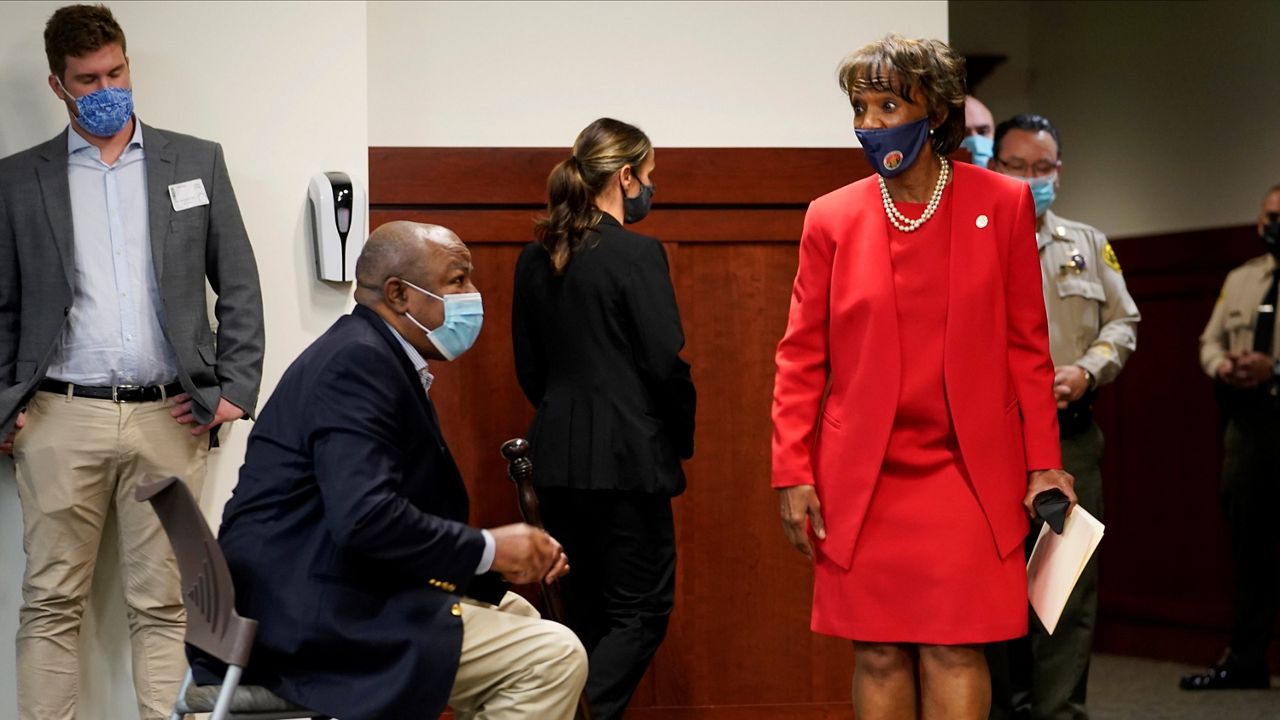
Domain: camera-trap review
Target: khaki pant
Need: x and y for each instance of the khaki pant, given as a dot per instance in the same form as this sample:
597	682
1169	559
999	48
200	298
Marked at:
515	665
75	460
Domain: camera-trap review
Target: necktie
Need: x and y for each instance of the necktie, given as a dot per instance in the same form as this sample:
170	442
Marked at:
1264	329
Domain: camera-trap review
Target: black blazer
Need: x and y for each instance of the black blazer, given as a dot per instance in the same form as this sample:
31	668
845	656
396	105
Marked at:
597	353
346	534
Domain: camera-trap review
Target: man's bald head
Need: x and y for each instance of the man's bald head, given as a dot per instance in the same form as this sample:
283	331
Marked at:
977	118
404	249
404	272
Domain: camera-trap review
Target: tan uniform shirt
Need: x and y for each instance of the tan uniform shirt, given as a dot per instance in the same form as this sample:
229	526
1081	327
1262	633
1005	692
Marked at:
1093	321
1230	327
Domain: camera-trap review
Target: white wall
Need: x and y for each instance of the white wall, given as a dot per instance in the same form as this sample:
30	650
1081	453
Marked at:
1168	111
705	74
283	87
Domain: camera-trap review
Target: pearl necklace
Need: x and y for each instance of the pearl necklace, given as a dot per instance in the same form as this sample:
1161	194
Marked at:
902	222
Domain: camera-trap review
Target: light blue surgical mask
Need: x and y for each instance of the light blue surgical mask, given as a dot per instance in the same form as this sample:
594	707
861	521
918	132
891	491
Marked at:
1043	191
463	318
103	113
980	147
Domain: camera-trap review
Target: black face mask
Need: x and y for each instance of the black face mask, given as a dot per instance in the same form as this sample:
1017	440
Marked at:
634	209
1271	234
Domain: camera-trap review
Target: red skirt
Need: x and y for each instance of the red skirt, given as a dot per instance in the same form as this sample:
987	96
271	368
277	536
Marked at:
925	569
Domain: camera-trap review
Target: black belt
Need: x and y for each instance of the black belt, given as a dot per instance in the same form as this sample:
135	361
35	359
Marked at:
115	393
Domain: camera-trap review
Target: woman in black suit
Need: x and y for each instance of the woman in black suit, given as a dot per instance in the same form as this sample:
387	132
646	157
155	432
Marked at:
597	338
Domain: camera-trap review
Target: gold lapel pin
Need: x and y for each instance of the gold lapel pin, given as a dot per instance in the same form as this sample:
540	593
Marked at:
1077	264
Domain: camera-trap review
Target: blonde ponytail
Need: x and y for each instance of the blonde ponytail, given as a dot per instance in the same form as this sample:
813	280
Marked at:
602	148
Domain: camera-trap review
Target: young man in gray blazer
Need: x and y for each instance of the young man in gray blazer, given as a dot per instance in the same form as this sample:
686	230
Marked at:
108	367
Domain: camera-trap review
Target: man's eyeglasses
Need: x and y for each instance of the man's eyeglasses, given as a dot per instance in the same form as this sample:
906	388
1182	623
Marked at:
1038	169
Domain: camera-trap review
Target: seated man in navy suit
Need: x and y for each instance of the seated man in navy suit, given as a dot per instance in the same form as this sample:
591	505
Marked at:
347	536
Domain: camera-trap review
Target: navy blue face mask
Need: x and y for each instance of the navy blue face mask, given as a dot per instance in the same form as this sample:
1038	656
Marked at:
893	150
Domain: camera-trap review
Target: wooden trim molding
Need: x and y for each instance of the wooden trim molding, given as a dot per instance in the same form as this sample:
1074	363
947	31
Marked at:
491	195
508	177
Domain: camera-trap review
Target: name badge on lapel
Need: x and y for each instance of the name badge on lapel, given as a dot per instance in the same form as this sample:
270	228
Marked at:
187	195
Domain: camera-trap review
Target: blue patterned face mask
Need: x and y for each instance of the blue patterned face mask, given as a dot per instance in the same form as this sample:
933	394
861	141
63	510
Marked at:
463	318
893	150
103	113
980	147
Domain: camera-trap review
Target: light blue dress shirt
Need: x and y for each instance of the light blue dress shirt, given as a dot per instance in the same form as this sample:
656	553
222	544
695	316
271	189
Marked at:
425	376
113	335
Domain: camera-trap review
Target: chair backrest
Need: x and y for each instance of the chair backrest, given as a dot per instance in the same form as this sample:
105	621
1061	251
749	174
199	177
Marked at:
207	592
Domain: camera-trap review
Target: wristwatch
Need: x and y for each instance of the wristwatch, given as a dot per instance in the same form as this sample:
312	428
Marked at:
1090	380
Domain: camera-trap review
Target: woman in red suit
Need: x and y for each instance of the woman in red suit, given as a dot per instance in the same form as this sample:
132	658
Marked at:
913	410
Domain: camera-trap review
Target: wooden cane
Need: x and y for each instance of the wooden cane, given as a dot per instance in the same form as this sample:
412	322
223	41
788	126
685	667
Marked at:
520	471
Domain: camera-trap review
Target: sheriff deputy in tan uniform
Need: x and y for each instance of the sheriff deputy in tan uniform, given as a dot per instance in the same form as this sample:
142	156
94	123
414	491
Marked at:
1092	331
1239	350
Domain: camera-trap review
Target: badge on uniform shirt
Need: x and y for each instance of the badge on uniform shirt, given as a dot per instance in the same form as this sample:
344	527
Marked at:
1109	257
189	194
1076	265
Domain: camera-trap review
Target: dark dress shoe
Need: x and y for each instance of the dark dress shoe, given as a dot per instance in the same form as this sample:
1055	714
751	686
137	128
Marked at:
1221	677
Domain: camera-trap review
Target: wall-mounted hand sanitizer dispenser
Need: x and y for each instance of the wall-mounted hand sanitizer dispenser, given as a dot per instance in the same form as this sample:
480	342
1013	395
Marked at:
338	217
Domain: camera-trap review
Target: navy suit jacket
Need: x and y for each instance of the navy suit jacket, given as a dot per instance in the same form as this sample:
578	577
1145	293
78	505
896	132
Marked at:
346	535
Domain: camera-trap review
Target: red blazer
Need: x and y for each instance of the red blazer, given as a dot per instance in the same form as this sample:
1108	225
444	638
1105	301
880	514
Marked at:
842	332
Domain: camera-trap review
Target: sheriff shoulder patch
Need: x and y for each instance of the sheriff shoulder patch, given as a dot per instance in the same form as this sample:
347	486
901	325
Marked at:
1109	257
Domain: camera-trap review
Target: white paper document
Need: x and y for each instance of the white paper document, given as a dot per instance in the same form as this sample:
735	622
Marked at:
1057	561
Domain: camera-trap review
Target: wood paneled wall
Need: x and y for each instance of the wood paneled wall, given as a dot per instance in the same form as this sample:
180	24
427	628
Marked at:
730	220
1165	587
739	644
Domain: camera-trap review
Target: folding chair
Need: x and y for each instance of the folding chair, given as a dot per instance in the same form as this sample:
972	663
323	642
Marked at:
212	622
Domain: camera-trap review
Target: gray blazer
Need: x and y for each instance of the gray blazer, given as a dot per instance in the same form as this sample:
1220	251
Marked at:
37	269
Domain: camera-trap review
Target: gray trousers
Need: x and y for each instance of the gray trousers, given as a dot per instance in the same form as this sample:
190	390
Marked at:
1043	676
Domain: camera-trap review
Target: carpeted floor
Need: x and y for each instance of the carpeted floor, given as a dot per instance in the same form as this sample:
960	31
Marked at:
1123	688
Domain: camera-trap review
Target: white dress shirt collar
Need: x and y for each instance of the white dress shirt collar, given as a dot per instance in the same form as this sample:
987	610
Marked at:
76	143
415	357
